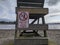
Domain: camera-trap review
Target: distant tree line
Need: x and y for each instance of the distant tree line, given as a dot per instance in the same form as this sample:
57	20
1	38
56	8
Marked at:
3	22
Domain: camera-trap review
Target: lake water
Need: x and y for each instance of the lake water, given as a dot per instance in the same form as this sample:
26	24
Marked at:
12	26
7	26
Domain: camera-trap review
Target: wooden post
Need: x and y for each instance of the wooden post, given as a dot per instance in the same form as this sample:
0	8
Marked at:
43	21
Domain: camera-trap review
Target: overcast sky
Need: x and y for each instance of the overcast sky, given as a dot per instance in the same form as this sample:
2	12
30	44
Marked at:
7	10
54	11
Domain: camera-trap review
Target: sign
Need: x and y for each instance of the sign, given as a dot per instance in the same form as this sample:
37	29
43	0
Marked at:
23	19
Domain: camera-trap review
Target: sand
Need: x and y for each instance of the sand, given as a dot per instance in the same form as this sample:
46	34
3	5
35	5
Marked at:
6	35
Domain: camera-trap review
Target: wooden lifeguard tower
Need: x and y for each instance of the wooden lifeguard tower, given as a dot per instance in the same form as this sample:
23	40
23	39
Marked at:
23	36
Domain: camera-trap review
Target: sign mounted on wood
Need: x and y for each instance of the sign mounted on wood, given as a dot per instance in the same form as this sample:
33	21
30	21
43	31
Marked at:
23	19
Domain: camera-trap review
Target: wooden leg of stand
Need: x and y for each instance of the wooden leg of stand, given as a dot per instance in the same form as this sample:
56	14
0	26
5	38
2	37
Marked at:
15	33
43	21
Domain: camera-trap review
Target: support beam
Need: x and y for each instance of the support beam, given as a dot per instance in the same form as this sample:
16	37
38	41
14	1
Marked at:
33	21
43	21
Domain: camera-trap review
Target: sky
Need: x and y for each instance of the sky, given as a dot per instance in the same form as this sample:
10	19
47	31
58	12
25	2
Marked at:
7	10
54	11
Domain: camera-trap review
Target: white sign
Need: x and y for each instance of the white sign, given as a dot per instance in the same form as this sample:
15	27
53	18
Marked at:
23	19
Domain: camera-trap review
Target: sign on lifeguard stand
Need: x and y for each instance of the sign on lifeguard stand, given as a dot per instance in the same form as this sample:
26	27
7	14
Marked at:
23	19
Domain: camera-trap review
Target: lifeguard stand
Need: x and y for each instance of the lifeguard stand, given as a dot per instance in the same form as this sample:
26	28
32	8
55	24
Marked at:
23	36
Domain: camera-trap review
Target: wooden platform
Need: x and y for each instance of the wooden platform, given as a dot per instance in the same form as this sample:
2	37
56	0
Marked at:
34	12
36	27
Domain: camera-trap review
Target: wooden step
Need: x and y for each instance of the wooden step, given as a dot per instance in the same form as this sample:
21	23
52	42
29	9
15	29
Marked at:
31	41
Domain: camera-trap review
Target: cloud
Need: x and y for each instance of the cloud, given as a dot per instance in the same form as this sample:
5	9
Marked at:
54	8
54	11
52	2
7	8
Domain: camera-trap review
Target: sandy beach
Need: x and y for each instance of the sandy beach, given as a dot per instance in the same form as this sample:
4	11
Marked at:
9	34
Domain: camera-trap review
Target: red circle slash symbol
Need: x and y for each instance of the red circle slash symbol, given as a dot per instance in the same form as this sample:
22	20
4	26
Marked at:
23	16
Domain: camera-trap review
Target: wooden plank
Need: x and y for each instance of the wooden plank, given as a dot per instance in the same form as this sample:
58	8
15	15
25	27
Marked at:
29	4
31	41
32	37
33	1
34	10
35	27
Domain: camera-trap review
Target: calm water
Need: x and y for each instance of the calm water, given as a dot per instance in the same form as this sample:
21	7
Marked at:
12	26
7	26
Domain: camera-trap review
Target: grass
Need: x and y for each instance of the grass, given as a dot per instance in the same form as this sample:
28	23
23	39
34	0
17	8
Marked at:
10	42
50	42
